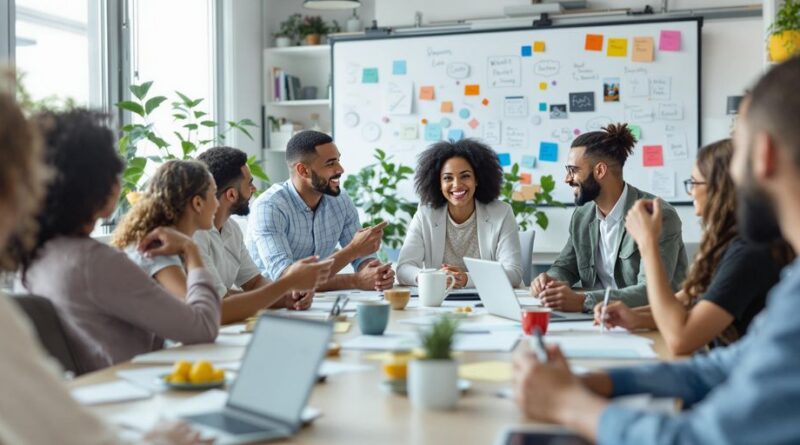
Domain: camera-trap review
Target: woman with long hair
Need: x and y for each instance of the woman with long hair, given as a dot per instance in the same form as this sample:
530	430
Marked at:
729	279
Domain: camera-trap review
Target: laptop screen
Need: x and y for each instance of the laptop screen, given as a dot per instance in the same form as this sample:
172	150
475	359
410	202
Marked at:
280	367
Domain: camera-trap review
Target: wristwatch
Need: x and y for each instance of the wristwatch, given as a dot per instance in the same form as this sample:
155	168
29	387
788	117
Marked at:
588	302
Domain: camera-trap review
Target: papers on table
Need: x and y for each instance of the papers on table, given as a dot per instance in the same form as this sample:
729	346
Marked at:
113	392
579	326
491	371
331	368
147	378
469	324
215	353
404	341
611	345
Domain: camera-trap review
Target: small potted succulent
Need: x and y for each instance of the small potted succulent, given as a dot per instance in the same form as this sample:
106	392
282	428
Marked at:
784	38
288	31
312	29
433	380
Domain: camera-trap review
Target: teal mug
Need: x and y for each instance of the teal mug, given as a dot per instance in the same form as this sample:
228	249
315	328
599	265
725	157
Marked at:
373	316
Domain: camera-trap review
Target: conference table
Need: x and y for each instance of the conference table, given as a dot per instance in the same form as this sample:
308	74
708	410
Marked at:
357	409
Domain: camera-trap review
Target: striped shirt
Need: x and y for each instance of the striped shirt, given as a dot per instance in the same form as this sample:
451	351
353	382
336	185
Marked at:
282	229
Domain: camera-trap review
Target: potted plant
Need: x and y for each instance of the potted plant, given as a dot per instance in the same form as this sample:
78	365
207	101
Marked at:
374	190
288	31
312	29
784	39
526	205
433	380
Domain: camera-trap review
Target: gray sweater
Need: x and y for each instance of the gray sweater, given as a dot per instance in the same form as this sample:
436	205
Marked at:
111	309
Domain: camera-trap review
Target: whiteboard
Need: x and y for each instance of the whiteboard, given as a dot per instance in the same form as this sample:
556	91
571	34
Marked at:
527	93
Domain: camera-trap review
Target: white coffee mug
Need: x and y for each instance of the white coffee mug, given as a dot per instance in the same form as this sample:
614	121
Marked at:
434	287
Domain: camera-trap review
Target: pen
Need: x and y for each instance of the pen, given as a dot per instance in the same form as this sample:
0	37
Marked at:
603	311
537	343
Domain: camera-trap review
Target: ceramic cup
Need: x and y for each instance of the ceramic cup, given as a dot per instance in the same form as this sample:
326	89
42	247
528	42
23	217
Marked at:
434	286
533	317
372	317
397	298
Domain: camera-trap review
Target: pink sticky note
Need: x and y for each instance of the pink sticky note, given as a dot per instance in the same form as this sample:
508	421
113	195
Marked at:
426	93
653	156
473	123
670	41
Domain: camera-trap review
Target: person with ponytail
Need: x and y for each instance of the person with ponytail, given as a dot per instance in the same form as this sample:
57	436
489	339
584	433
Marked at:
729	279
111	309
600	254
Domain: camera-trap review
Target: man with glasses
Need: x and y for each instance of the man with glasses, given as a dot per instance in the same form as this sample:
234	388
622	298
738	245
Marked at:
600	254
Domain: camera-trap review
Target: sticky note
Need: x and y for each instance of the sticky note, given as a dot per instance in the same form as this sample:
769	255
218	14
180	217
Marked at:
538	47
617	48
473	123
445	122
643	49
369	75
594	42
526	51
542	86
653	156
433	132
455	134
447	107
472	90
493	371
505	159
548	151
529	191
409	131
525	178
426	93
463	113
517	196
399	68
636	131
529	161
669	41
542	106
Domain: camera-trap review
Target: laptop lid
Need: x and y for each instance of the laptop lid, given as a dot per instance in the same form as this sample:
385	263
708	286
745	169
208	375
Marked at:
494	288
279	369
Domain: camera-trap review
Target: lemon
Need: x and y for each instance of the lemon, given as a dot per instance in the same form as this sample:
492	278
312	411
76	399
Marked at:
182	368
395	370
218	375
176	378
202	372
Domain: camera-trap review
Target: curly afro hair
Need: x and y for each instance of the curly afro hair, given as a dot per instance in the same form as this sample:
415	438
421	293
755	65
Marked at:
482	159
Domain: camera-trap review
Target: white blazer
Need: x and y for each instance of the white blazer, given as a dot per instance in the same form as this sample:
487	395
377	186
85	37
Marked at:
498	240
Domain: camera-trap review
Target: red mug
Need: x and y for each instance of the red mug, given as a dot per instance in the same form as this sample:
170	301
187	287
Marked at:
533	317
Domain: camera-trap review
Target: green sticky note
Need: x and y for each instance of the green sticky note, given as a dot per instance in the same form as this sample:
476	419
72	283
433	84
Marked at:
636	130
369	75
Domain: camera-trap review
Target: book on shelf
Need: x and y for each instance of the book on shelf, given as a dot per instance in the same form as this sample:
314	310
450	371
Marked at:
285	86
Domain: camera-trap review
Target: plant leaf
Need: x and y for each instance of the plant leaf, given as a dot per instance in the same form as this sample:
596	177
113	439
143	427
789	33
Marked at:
153	103
140	91
131	106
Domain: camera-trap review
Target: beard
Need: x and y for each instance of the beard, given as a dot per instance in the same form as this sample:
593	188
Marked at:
241	207
324	185
588	190
755	213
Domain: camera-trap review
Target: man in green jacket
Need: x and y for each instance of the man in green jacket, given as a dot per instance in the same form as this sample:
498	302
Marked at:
599	253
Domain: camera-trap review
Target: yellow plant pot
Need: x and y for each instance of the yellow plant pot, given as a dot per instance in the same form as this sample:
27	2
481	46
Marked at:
784	45
313	39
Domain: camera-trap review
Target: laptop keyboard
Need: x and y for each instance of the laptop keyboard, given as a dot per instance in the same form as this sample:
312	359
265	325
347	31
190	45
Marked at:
225	422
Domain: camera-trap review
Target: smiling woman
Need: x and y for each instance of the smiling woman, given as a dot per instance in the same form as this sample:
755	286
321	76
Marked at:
459	214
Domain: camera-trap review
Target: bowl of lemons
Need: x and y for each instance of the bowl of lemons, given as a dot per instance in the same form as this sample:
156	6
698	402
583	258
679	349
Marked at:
188	376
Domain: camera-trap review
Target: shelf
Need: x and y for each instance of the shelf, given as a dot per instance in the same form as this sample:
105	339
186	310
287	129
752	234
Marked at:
301	103
300	51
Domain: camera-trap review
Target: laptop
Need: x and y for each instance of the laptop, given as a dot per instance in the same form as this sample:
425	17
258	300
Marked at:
498	296
273	384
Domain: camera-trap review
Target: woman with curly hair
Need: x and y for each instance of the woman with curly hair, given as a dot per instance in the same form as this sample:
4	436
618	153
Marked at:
459	215
112	310
728	283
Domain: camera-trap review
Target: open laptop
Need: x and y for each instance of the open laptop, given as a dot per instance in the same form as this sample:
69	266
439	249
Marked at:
273	384
498	296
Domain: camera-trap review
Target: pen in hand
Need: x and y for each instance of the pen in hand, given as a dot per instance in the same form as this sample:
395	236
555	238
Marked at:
537	343
603	311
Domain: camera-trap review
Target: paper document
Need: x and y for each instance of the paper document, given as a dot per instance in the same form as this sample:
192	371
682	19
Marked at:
611	345
469	324
580	326
113	392
147	378
503	341
208	351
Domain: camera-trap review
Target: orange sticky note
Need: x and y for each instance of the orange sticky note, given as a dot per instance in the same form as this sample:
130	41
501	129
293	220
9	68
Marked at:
528	192
594	42
538	47
643	49
525	178
617	48
447	107
542	86
426	93
472	90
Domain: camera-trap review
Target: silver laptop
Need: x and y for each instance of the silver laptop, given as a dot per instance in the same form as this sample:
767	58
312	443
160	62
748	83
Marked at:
498	296
273	384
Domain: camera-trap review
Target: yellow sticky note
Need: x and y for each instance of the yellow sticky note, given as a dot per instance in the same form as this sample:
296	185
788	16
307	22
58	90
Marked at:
528	192
447	107
426	93
538	47
617	48
643	49
517	196
472	90
341	327
542	86
492	371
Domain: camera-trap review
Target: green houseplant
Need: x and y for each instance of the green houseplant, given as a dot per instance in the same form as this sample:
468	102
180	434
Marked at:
784	39
526	209
313	28
374	190
188	119
433	380
288	31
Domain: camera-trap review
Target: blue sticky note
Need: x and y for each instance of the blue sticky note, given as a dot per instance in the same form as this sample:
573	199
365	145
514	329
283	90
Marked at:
526	51
399	68
529	161
455	134
542	106
548	151
445	122
463	113
369	75
505	159
433	132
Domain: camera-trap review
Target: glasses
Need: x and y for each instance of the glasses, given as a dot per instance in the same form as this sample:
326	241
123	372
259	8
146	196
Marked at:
338	305
690	183
572	170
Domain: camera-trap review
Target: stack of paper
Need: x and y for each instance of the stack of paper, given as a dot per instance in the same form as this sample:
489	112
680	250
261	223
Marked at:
211	352
470	324
503	341
117	391
611	345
